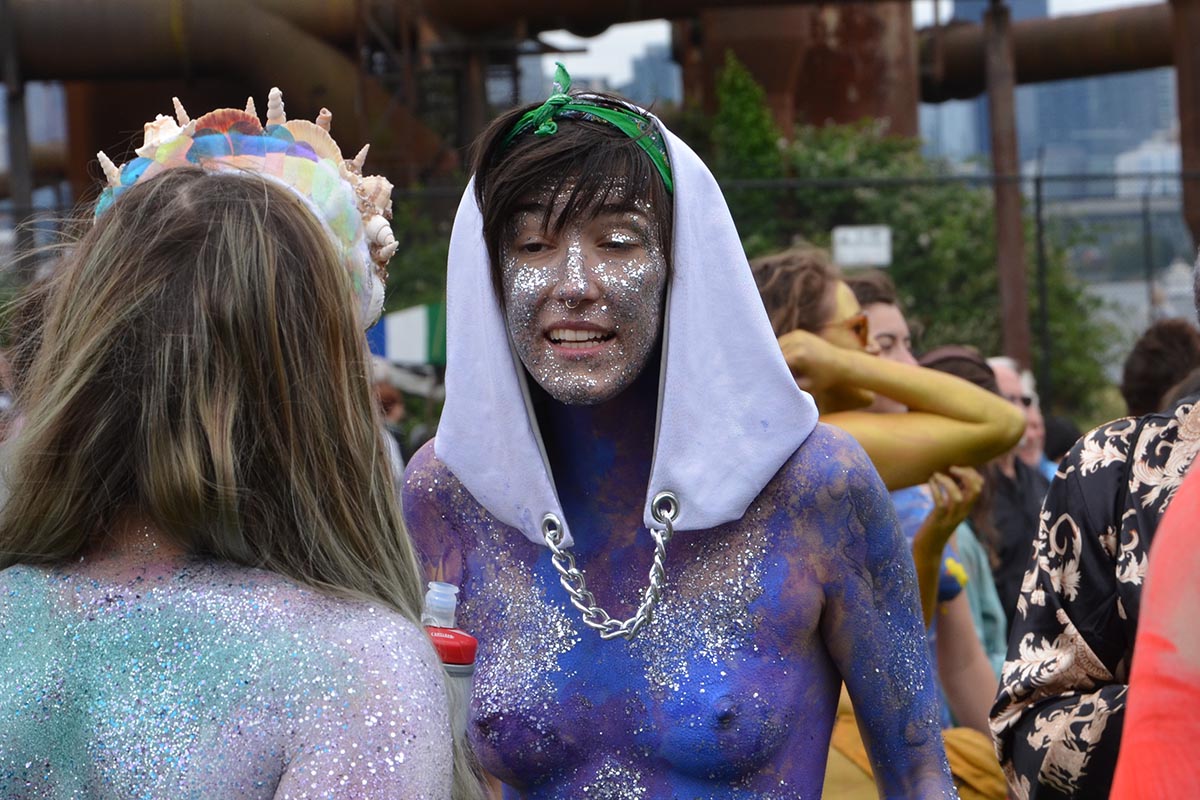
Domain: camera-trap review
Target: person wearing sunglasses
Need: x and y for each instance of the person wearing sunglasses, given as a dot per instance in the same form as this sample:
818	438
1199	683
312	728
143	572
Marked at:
938	426
826	340
1019	490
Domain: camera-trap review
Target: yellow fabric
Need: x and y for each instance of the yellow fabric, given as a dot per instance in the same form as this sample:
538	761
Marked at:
848	775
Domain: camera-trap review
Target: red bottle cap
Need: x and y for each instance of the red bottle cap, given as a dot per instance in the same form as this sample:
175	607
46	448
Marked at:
453	645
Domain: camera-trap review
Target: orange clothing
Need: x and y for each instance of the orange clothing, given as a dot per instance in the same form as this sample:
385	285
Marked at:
848	774
1160	748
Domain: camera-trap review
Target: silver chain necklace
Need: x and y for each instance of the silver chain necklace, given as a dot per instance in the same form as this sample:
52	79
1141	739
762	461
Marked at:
665	510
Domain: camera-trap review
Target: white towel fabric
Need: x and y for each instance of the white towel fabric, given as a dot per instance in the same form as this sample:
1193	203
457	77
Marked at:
730	414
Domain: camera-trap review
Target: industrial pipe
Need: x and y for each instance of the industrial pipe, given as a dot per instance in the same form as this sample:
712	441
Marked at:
70	40
333	21
583	17
1046	50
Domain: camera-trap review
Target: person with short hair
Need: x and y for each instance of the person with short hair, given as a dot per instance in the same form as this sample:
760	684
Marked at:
670	565
1161	357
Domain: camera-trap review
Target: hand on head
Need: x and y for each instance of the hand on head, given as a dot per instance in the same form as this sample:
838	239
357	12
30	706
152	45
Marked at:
817	366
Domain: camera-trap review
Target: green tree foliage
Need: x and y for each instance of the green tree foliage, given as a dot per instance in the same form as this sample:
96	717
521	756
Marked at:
745	141
944	256
417	274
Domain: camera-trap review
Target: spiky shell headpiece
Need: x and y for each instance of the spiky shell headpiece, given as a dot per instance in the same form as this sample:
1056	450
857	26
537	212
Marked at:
300	155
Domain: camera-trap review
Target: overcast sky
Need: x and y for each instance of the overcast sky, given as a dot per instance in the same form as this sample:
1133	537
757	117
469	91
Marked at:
611	53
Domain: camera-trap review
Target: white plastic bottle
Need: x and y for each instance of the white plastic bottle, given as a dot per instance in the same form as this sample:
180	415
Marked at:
455	647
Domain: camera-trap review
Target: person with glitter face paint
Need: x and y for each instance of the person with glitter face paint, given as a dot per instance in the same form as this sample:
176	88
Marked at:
670	566
206	589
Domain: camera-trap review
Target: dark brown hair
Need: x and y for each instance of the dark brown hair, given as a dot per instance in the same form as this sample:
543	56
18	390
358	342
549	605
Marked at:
1163	355
873	286
1061	436
599	164
1187	387
796	287
966	362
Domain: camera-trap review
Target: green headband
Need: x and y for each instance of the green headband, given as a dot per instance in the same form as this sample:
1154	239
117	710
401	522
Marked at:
560	104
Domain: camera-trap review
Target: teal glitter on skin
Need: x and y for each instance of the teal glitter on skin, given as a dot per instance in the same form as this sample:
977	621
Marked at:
206	680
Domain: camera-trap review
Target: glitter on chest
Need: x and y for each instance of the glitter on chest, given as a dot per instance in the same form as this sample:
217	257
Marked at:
615	782
703	617
705	610
519	668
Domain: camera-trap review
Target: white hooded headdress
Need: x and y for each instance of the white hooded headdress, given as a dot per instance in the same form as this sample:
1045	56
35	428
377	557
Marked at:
729	416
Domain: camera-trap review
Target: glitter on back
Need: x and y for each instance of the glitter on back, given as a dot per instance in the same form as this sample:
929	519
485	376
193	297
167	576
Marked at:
211	680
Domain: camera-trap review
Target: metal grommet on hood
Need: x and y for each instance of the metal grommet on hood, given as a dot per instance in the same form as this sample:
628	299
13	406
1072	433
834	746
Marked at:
552	529
664	507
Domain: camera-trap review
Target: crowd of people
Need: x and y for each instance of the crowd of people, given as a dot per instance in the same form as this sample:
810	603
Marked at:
720	528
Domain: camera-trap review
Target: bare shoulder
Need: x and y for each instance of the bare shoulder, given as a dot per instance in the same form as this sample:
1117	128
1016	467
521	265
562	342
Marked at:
442	517
377	644
832	463
432	492
369	703
426	470
357	638
832	493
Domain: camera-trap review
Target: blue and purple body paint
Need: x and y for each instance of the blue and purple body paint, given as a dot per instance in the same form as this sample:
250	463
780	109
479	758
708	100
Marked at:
731	690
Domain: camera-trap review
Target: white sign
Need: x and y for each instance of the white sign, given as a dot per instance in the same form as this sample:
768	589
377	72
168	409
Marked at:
862	245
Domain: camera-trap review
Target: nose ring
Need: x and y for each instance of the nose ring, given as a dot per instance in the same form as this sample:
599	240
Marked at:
572	304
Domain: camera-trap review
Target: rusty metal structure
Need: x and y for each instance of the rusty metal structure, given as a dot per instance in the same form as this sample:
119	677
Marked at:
1006	166
818	63
413	77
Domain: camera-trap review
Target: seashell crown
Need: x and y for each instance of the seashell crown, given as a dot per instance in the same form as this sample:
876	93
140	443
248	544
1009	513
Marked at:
301	155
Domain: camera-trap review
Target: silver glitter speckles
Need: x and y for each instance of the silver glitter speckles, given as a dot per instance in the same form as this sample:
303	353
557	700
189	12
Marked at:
518	673
615	782
705	610
206	680
583	304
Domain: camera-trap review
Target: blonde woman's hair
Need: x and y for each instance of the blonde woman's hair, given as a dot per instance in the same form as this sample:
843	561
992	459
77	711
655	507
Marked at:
201	362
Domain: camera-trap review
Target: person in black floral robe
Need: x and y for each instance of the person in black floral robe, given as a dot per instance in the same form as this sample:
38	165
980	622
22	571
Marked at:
1058	715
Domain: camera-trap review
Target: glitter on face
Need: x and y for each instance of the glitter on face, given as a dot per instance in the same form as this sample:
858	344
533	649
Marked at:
583	304
207	680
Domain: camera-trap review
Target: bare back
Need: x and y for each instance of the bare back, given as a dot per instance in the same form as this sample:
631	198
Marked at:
198	679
